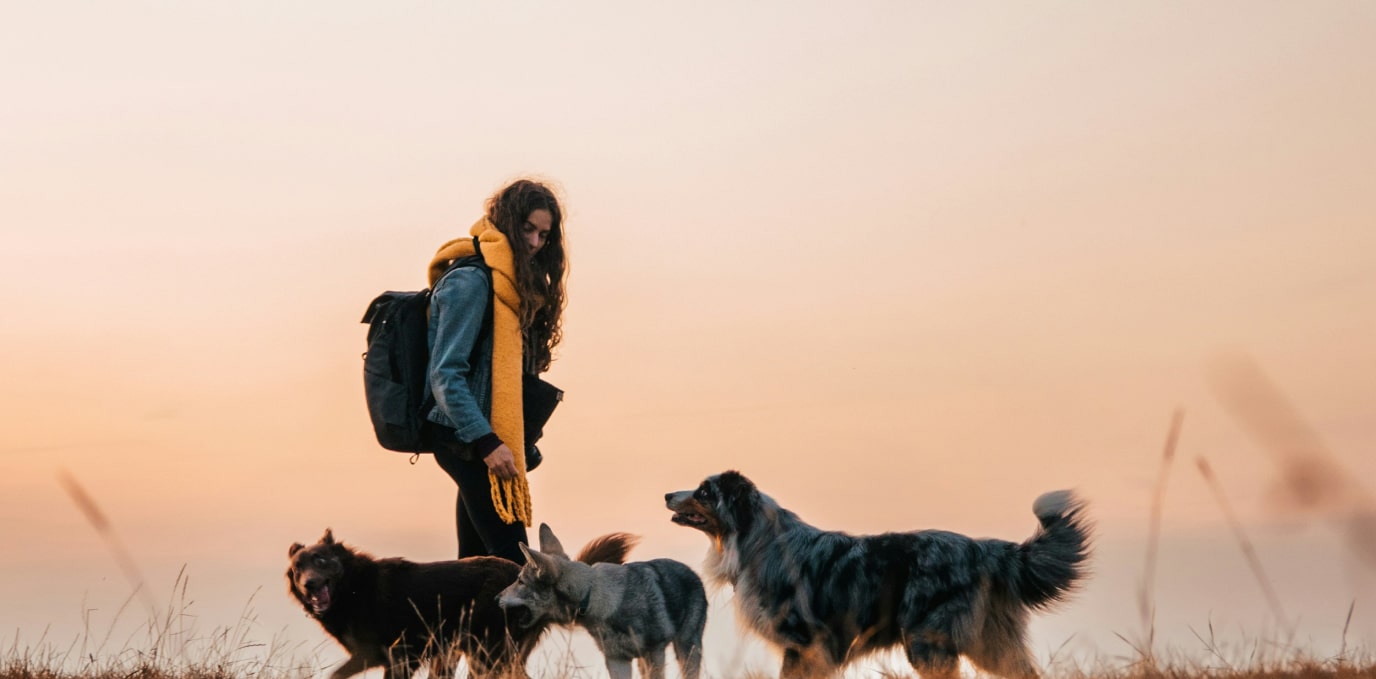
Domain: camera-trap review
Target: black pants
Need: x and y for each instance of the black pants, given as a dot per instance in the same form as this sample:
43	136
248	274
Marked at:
481	532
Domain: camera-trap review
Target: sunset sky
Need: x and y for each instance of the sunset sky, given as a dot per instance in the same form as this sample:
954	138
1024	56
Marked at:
904	264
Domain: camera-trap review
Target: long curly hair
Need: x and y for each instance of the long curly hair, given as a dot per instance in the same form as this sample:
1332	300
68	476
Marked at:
539	279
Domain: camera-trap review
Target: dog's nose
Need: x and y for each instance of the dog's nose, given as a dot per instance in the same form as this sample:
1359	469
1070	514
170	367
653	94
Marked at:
668	497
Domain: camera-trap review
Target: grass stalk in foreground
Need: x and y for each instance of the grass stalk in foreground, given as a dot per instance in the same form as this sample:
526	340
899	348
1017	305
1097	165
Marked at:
166	646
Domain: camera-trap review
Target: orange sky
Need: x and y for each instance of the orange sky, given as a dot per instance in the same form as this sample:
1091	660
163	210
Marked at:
906	265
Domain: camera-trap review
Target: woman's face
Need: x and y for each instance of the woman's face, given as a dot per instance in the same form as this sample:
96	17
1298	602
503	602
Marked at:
536	229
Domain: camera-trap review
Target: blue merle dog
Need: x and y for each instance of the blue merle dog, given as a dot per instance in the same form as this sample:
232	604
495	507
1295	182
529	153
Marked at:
826	598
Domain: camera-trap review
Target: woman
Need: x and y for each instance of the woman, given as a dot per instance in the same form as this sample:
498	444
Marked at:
485	332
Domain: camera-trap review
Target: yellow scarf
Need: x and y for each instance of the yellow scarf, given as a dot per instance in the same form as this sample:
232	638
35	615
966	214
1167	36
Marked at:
511	497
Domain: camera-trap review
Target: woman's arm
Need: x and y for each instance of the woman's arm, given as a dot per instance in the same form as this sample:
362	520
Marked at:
458	307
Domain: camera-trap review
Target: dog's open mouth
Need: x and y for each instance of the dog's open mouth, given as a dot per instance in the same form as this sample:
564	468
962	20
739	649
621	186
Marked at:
520	615
319	600
693	519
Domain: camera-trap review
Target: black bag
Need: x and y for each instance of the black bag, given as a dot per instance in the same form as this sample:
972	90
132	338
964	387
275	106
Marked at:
396	365
538	401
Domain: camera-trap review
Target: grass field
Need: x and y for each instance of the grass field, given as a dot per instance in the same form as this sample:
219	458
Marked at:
171	646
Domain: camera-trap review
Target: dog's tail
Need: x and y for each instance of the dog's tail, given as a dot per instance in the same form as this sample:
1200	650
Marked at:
1052	561
610	548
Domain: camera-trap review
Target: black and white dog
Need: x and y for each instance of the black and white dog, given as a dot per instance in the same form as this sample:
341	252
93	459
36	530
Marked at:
826	598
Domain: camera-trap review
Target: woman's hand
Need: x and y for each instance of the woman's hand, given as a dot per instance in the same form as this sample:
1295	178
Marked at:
501	462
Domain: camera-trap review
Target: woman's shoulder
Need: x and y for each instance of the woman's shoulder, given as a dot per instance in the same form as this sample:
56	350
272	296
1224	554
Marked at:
461	281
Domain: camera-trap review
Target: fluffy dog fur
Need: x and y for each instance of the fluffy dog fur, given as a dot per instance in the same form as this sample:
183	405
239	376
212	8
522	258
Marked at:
396	613
826	598
633	611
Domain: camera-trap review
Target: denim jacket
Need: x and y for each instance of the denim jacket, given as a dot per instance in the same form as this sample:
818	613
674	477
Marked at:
461	378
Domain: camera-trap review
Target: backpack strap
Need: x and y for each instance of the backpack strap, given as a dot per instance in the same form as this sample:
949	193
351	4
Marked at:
475	260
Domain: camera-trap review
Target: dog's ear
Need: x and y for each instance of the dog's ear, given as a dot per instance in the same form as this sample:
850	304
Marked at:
740	500
550	544
529	559
294	548
734	485
327	538
545	565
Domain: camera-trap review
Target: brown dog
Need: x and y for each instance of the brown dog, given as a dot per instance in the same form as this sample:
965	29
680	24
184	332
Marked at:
396	613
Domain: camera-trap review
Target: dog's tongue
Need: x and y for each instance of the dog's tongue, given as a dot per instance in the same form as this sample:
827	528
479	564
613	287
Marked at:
320	600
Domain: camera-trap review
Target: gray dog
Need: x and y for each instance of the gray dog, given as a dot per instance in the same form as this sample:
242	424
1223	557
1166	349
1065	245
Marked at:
632	611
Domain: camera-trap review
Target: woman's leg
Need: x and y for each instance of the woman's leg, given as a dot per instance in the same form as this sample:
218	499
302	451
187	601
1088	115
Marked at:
480	531
497	537
470	541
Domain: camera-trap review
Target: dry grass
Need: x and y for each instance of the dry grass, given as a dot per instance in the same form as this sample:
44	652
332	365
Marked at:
168	645
1295	668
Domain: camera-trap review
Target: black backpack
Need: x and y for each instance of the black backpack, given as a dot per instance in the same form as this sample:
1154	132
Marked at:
396	364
